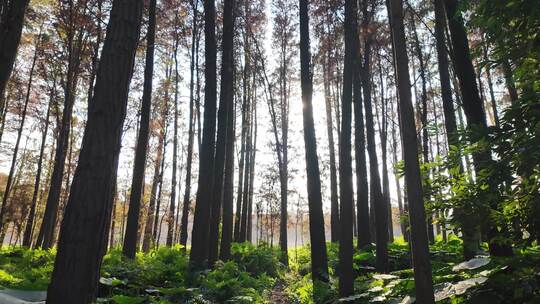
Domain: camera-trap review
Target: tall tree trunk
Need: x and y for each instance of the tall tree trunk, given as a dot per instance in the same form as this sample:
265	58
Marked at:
252	172
476	117
425	139
247	171
157	224
11	26
382	122
401	207
493	101
191	131
9	182
334	203
48	225
444	74
199	241
346	275
226	103
27	239
228	189
83	233
419	242
172	203
319	262
362	189
380	208
149	239
241	164
137	183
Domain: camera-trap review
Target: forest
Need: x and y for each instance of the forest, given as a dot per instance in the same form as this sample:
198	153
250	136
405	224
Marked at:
280	151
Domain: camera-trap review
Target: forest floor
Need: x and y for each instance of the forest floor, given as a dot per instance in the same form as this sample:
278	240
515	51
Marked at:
254	275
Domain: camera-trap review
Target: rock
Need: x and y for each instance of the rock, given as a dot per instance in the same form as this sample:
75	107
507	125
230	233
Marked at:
384	277
471	264
13	296
462	286
443	291
376	289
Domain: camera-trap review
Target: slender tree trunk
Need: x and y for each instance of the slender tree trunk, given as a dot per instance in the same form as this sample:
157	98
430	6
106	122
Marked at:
476	117
247	171
199	241
83	233
172	204
346	274
444	74
191	132
27	239
425	139
137	183
165	127
362	189
402	214
319	263
148	239
9	182
241	163
419	242
226	102
228	189
11	26
382	122
48	225
252	173
490	86
334	203
380	208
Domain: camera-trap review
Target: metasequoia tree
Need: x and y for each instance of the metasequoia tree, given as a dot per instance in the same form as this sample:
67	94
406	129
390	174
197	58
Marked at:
346	276
11	25
23	115
195	36
377	201
199	240
476	119
72	18
137	183
83	232
283	40
226	103
319	262
413	180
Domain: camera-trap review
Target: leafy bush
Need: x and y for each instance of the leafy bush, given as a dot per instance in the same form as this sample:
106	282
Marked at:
257	259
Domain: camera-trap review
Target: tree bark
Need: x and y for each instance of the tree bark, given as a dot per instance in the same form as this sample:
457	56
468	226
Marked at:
425	138
226	103
137	183
9	182
334	203
199	241
380	208
472	106
191	135
27	238
228	191
48	225
83	233
319	263
11	26
419	242
346	275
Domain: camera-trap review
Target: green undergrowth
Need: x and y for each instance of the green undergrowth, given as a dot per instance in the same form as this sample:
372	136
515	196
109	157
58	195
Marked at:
160	276
163	276
500	281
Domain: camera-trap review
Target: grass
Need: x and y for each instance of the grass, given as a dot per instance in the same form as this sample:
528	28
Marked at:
162	276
